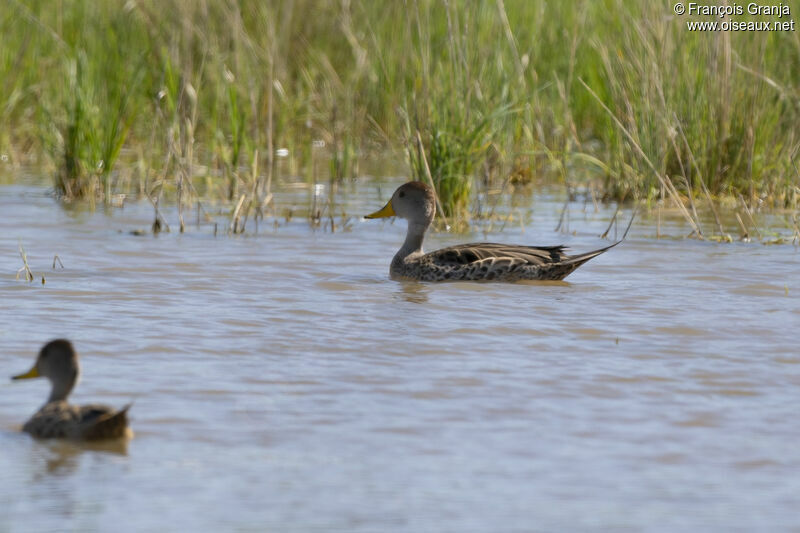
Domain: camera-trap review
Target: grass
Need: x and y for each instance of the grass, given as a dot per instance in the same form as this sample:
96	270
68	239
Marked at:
148	96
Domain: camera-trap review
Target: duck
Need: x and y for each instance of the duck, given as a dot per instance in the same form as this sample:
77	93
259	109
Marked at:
415	201
58	362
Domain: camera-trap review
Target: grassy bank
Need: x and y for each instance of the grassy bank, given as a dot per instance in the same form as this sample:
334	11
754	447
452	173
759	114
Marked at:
149	96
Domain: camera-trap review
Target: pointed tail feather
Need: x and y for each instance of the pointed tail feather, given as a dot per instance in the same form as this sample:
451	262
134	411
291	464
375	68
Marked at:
113	426
580	259
563	269
559	271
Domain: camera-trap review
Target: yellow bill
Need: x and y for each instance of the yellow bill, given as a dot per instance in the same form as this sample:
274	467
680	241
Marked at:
387	211
32	373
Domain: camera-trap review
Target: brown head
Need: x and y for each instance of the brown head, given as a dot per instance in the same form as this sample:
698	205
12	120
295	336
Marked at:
58	362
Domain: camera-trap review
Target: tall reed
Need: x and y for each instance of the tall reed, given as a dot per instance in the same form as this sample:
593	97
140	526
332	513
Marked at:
483	84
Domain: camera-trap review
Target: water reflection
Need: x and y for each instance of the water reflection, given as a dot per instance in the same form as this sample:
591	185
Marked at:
545	283
285	383
413	291
63	457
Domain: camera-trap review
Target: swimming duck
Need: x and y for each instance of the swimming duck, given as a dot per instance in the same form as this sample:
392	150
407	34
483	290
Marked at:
58	362
415	201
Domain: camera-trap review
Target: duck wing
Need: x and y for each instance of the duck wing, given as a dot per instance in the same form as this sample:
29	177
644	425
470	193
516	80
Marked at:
491	261
465	254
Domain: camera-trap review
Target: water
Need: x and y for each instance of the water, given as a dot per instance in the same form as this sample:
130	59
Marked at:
282	382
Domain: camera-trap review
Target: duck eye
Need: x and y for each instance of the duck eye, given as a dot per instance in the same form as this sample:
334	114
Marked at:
402	194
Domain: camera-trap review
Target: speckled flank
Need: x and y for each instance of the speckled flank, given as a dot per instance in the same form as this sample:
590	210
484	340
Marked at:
490	262
59	420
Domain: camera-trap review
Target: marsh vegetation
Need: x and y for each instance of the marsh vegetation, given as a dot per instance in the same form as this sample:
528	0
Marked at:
195	99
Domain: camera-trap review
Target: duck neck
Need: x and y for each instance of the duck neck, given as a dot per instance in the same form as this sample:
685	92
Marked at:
413	243
61	389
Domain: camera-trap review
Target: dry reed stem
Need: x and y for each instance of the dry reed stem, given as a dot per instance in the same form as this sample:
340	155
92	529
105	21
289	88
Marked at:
750	217
563	213
234	226
745	233
796	235
25	268
613	219
630	222
160	223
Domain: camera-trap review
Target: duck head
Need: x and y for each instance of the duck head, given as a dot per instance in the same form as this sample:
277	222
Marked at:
414	201
58	362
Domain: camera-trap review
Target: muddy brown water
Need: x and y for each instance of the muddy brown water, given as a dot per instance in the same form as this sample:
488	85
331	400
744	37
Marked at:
282	382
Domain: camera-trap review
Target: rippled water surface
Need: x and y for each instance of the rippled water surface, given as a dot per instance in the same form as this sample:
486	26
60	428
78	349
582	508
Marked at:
282	382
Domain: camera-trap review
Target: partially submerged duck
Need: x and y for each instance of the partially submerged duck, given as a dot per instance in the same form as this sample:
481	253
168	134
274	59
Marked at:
415	201
58	362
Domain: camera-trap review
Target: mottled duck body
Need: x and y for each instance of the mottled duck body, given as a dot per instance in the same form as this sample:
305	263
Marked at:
58	362
415	201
